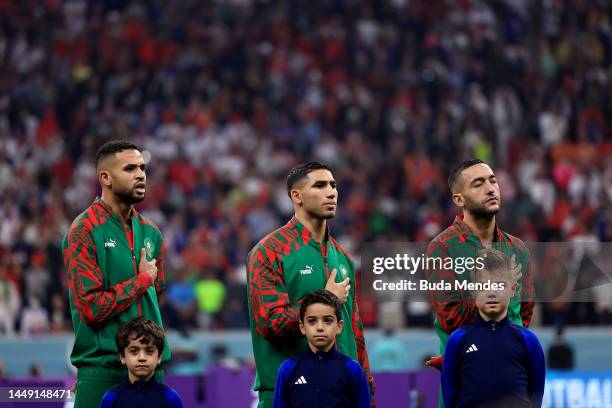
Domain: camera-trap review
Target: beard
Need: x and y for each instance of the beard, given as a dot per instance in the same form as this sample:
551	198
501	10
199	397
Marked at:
320	213
129	196
480	210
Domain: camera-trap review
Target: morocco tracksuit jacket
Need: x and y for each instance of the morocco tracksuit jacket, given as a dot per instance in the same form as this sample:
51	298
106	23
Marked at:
101	258
458	240
282	268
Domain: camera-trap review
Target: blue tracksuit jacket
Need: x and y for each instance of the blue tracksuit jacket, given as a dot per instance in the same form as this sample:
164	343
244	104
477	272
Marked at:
323	379
494	363
141	394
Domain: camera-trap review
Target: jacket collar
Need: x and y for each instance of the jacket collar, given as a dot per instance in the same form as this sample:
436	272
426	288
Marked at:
467	233
107	209
492	323
139	384
324	354
305	233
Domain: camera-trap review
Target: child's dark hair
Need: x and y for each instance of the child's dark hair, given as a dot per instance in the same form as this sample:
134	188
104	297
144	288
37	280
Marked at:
150	332
321	296
495	262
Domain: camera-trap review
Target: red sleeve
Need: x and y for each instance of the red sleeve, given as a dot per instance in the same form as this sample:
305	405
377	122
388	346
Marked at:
527	294
271	310
452	308
362	354
85	279
160	282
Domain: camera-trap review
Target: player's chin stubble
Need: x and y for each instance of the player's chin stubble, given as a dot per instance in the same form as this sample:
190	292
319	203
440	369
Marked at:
481	211
321	214
129	197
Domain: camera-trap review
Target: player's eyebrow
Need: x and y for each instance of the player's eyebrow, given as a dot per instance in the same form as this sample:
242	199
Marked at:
323	183
482	178
132	166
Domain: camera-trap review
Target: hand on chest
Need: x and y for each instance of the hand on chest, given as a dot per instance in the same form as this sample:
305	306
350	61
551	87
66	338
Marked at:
307	270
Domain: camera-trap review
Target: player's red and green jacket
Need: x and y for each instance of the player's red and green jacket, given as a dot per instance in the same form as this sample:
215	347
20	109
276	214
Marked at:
282	268
105	289
458	240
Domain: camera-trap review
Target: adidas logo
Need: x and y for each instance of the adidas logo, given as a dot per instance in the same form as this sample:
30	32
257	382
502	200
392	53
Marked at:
307	270
301	380
471	348
110	243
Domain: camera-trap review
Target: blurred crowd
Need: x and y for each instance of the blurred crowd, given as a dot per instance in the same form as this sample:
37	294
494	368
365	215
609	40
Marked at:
226	96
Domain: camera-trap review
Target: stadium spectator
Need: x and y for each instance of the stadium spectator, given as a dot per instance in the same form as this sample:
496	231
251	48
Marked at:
59	317
10	302
388	354
34	319
560	354
181	306
210	293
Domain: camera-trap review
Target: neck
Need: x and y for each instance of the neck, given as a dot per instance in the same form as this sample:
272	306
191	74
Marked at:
488	318
483	227
316	226
124	210
133	378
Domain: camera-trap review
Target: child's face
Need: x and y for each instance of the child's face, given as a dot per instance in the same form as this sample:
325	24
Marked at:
494	303
140	359
320	326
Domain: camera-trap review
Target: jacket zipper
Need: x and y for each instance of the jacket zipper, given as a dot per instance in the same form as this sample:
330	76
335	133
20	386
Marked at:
318	389
493	324
324	254
131	244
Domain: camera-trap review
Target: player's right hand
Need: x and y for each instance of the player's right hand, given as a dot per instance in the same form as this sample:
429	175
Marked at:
340	289
147	267
435	362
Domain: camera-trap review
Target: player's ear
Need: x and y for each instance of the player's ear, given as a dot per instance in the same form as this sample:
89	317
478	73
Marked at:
458	199
104	177
122	358
302	328
340	325
296	196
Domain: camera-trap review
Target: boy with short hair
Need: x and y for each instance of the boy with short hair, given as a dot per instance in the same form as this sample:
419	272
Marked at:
140	343
493	362
321	376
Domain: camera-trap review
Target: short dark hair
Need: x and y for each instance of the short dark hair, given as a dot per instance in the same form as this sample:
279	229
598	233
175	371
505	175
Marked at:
150	332
494	262
300	171
452	179
321	296
112	147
